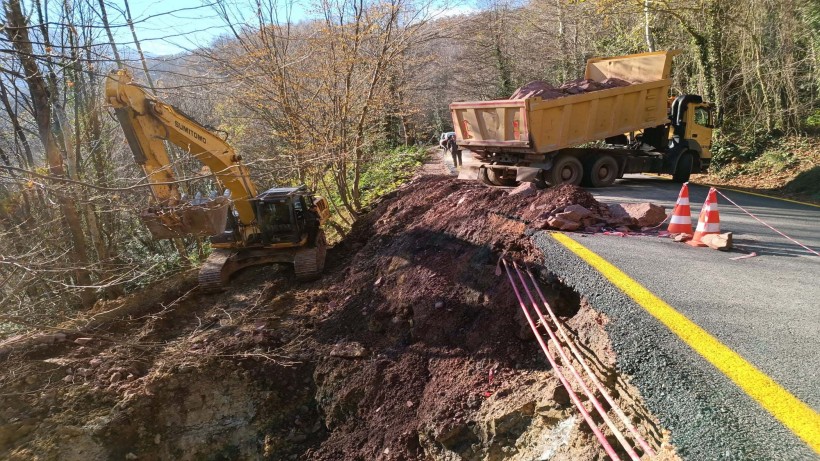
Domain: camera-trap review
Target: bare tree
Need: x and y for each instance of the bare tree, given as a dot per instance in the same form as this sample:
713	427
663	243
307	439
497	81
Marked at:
17	31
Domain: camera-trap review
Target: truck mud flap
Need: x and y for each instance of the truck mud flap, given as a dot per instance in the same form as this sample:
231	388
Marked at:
527	174
201	219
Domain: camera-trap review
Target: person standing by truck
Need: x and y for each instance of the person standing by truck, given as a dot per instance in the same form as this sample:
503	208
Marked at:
455	151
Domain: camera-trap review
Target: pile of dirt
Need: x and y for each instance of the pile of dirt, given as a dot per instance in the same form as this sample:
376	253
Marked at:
410	348
544	90
570	208
556	199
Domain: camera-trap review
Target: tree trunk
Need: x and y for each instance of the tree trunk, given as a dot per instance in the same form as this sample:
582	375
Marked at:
562	40
104	17
15	124
137	44
17	31
647	30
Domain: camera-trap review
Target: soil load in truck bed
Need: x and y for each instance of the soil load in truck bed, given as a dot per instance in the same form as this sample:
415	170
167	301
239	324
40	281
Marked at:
410	348
543	90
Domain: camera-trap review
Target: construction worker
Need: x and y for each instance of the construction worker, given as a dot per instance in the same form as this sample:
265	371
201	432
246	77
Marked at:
455	151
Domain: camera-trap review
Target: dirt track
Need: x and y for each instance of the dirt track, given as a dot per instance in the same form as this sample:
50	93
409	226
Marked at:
389	356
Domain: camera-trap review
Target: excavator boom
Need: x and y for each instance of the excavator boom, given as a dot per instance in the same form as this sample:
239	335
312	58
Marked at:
147	124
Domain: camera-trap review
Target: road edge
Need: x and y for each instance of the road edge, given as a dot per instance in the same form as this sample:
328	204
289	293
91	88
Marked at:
713	421
780	403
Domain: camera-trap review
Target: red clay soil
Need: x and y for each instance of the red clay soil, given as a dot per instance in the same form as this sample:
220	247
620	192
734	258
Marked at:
388	357
556	199
420	295
545	91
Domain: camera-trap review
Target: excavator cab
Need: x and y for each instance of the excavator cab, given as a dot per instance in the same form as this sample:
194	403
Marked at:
281	214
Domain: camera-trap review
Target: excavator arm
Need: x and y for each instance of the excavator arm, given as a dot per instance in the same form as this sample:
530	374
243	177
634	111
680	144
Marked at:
147	123
285	230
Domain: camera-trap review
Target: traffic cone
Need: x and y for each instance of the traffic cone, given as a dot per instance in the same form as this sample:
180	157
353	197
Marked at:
681	222
708	221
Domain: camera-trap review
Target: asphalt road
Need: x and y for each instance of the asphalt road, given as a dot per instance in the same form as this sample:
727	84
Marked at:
765	308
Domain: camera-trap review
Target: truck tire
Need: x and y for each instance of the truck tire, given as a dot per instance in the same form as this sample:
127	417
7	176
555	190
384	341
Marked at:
600	172
484	177
566	170
541	181
497	179
684	168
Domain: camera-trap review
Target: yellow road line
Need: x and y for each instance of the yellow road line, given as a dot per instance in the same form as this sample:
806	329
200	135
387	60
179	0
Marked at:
788	409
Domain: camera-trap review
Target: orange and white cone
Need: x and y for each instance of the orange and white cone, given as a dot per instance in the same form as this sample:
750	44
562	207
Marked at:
681	222
708	221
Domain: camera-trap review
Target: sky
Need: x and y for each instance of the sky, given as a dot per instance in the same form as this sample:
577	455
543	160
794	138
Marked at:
170	27
173	26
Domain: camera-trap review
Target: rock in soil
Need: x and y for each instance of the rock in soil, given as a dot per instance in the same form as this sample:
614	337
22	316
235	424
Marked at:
351	350
526	189
638	214
721	242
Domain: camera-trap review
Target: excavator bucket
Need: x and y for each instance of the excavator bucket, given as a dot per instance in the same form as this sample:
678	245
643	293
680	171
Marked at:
201	219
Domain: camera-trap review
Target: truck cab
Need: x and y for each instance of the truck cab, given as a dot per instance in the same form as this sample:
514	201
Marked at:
690	131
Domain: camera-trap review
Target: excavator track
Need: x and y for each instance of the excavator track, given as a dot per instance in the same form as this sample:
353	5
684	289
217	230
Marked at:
308	263
211	272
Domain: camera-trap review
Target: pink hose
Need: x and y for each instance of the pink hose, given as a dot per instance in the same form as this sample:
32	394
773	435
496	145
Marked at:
595	403
765	224
645	446
600	436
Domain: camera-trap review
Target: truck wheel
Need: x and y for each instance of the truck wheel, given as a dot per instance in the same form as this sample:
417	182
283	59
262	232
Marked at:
484	177
498	179
541	180
684	168
566	170
601	172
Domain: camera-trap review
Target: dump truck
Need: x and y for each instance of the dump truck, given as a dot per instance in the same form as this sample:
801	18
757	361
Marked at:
590	138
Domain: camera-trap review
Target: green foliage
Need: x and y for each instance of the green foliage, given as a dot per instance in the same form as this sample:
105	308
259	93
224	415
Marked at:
761	154
813	121
773	160
154	262
389	169
726	152
385	170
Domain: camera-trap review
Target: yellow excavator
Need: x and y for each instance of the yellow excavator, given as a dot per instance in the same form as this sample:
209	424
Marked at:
279	225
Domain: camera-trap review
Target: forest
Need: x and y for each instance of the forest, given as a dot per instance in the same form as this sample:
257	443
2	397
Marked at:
343	96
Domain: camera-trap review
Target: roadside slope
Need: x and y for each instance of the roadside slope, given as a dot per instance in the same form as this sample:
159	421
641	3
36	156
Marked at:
389	356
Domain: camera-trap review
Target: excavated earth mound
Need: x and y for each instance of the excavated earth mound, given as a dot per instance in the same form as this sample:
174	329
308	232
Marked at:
410	348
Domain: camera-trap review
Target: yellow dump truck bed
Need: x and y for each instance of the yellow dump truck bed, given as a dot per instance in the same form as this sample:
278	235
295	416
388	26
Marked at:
539	126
